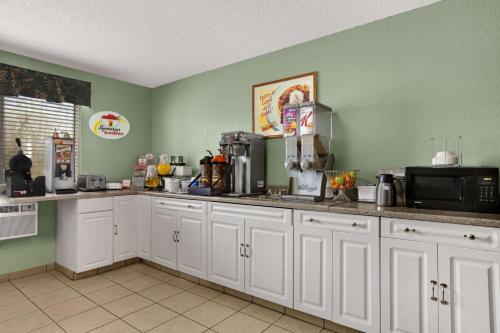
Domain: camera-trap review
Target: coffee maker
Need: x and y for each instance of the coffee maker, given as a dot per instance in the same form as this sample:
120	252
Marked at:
59	167
18	180
307	129
245	152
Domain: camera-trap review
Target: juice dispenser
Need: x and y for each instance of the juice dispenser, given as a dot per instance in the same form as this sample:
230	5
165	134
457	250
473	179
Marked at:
59	166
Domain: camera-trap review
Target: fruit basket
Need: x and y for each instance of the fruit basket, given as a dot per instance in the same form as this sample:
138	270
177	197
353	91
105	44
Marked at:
341	180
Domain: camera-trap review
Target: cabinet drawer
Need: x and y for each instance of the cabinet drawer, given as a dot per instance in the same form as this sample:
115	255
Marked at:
94	205
268	214
181	205
443	233
338	222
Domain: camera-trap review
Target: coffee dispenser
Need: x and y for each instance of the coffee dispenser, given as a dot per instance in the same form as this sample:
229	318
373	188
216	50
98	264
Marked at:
307	129
245	152
59	167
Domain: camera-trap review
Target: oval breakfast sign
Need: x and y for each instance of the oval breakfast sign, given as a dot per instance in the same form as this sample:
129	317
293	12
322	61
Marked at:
109	125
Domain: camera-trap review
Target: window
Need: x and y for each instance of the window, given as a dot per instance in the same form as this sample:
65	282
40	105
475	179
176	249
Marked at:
33	120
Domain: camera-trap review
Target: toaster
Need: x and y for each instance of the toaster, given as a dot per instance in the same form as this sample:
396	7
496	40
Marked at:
89	183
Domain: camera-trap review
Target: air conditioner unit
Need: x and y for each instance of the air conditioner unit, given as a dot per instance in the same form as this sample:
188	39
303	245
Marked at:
18	220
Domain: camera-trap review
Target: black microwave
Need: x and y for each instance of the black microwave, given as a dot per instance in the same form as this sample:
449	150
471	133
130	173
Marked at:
470	189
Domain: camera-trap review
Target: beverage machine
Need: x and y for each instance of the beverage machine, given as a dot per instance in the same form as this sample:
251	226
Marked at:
307	130
245	152
59	166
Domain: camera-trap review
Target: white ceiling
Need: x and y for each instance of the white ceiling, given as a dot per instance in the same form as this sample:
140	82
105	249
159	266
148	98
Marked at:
153	42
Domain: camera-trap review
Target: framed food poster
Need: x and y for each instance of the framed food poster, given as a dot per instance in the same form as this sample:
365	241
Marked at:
269	98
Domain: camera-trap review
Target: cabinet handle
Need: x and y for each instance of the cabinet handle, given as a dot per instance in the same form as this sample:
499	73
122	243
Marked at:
433	297
408	230
115	229
247	247
470	236
443	286
310	219
354	224
242	247
189	206
173	237
177	232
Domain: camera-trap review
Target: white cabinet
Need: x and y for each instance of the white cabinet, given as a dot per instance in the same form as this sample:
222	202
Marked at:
409	286
125	228
445	282
356	281
337	268
226	259
191	244
313	271
84	234
95	240
163	243
269	261
470	290
179	235
250	249
143	225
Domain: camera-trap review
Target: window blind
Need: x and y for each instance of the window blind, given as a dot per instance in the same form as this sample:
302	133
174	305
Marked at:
33	120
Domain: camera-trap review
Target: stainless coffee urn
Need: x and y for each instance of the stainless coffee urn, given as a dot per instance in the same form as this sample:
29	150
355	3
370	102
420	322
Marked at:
246	154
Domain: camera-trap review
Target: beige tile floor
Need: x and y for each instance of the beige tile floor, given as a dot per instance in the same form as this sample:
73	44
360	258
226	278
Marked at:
135	298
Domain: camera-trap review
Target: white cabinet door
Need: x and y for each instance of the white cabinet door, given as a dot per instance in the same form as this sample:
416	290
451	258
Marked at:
313	271
192	244
408	283
163	245
470	280
356	294
143	223
95	240
125	228
269	261
225	251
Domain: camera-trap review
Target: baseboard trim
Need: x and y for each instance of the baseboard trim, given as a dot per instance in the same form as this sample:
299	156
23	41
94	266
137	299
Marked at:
26	272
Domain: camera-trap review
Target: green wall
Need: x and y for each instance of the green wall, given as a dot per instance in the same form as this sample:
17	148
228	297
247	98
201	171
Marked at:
393	84
114	158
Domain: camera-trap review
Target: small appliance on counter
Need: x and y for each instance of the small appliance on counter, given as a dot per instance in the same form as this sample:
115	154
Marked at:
18	181
470	189
307	129
386	193
59	167
91	183
245	155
